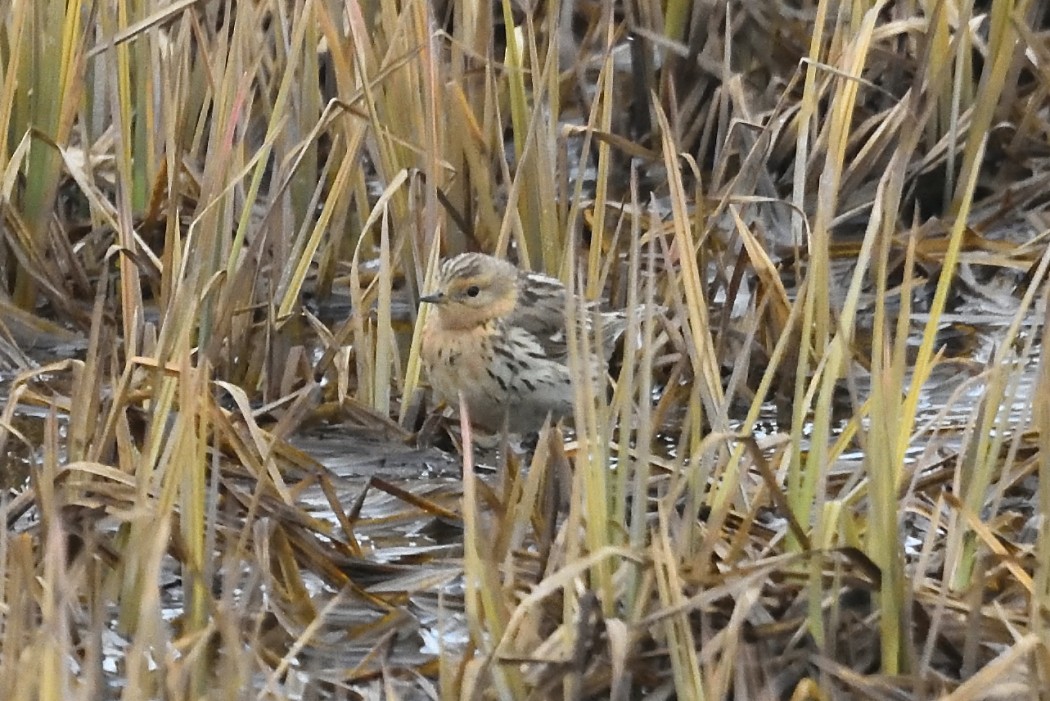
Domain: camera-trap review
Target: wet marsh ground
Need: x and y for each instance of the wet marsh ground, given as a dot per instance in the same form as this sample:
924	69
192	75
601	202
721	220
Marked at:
817	470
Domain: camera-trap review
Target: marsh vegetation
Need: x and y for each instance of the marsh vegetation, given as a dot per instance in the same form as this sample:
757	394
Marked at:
817	471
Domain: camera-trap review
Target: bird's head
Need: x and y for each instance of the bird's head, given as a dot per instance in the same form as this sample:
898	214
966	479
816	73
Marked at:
473	289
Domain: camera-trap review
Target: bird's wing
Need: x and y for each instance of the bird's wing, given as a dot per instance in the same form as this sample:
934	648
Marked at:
540	311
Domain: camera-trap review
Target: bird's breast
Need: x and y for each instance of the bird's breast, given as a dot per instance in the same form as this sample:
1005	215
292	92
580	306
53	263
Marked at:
455	359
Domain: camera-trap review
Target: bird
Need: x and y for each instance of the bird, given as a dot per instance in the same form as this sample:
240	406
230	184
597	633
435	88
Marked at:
498	335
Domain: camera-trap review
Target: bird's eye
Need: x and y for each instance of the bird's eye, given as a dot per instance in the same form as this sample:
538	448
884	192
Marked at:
473	291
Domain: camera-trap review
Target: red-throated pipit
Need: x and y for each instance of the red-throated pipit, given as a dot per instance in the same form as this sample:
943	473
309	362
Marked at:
498	335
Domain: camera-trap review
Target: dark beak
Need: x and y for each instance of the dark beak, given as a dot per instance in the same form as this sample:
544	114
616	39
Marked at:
435	298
